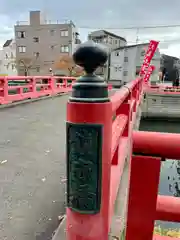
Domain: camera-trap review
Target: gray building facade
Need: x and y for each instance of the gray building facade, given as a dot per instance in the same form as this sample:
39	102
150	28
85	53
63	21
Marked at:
40	43
109	40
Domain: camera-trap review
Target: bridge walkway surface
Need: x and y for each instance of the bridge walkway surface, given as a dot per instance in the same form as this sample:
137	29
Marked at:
32	169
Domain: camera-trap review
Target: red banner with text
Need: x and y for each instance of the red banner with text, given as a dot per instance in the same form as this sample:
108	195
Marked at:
148	57
148	73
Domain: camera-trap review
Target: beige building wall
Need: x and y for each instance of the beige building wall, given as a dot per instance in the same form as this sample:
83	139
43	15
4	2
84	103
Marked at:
39	43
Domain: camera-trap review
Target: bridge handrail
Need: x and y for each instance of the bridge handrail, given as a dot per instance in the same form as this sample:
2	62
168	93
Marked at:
164	145
120	96
168	208
97	124
33	87
10	78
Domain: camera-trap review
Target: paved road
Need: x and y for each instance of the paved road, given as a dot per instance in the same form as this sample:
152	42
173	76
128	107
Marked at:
32	169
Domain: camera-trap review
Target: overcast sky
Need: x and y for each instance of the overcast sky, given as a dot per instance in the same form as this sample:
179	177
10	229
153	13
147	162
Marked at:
102	14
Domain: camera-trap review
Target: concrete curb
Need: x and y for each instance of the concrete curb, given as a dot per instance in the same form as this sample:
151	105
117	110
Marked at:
60	232
14	104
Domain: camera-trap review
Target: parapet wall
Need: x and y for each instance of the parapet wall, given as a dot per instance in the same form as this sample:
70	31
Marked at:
159	105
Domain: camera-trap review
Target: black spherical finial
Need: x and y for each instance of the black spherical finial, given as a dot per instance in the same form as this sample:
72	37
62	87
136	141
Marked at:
90	87
90	56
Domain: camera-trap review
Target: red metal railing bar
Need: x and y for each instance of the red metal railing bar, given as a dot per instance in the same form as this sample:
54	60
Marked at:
163	92
159	237
117	130
165	145
116	174
120	96
31	84
52	87
168	208
143	189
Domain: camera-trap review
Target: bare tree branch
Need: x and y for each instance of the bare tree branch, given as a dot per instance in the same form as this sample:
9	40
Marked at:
28	66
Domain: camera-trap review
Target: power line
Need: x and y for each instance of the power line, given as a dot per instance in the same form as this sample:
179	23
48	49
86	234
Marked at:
131	28
161	41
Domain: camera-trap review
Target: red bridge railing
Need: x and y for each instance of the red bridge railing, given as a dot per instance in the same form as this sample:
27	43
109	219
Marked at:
149	149
20	88
100	139
162	89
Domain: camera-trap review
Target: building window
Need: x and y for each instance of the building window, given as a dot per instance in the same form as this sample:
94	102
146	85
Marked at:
115	41
118	69
52	47
35	39
105	40
52	32
12	56
125	73
38	69
143	53
65	49
125	59
21	34
36	54
22	49
117	53
138	68
13	66
6	56
64	33
110	40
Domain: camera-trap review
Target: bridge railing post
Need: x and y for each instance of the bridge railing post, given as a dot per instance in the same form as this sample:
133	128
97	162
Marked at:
143	192
33	86
89	135
4	86
52	84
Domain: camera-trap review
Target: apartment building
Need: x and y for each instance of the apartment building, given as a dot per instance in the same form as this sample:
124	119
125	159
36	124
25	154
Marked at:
39	43
8	59
109	40
127	61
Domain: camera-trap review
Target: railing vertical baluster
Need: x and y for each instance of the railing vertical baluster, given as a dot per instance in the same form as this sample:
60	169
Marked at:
33	85
143	191
5	90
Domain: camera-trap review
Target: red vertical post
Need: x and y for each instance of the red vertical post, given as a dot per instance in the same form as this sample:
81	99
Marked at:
33	85
89	134
139	90
5	89
51	84
123	109
143	191
134	97
65	82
